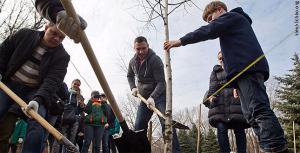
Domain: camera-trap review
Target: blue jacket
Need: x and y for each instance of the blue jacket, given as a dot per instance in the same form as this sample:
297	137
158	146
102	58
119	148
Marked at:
238	42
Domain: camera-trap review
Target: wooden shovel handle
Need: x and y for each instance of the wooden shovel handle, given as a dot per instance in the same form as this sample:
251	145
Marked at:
93	60
153	108
31	112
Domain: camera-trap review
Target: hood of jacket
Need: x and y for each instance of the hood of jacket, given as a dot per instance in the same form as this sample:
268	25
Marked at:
217	68
241	11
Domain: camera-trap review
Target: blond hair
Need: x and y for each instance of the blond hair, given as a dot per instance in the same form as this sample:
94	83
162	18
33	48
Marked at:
211	7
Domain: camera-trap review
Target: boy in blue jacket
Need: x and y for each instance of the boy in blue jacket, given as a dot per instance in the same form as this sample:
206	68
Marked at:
240	48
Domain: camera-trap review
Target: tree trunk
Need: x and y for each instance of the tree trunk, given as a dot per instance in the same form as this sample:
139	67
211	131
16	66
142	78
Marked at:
294	135
199	131
168	77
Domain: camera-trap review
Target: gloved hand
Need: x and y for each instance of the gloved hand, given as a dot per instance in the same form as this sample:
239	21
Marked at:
68	26
116	135
134	92
31	105
150	101
20	140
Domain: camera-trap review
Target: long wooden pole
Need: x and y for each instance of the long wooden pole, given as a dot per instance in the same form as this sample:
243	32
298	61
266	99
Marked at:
94	62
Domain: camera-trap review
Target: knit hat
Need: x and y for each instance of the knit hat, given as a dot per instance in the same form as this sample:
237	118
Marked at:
95	93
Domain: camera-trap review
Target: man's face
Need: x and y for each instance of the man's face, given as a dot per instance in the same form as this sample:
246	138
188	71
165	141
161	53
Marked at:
141	49
53	36
76	85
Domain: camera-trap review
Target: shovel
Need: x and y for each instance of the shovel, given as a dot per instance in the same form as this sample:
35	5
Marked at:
154	109
57	135
130	141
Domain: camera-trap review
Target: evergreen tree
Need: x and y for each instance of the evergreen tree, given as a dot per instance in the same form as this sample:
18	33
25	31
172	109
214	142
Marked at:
289	102
184	141
193	138
210	143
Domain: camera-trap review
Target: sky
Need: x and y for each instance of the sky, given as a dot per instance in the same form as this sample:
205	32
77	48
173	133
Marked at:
113	25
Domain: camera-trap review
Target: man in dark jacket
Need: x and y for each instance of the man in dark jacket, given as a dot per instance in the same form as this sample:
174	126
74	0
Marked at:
53	11
148	68
33	64
240	47
225	110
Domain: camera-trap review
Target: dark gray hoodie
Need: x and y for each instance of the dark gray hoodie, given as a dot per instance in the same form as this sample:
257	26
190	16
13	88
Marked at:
150	75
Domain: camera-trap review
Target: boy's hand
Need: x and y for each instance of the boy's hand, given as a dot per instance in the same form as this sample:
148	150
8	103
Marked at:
235	93
212	98
170	44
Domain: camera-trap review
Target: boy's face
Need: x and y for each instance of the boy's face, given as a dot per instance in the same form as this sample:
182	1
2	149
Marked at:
218	12
53	36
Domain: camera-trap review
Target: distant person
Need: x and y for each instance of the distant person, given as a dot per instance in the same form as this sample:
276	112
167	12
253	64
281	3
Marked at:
95	121
225	110
17	137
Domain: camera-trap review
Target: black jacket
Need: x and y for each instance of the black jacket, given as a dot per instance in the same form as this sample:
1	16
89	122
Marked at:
56	107
18	48
225	108
239	44
150	75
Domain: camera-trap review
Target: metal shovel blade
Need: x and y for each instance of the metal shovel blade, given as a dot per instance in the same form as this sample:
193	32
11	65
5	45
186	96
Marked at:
133	141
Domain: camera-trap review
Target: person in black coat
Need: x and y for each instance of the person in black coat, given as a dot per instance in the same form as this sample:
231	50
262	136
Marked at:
240	48
33	64
225	110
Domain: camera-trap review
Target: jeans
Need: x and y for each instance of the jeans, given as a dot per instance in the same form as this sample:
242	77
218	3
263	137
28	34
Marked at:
70	131
35	133
92	133
223	140
256	109
144	115
51	119
105	141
